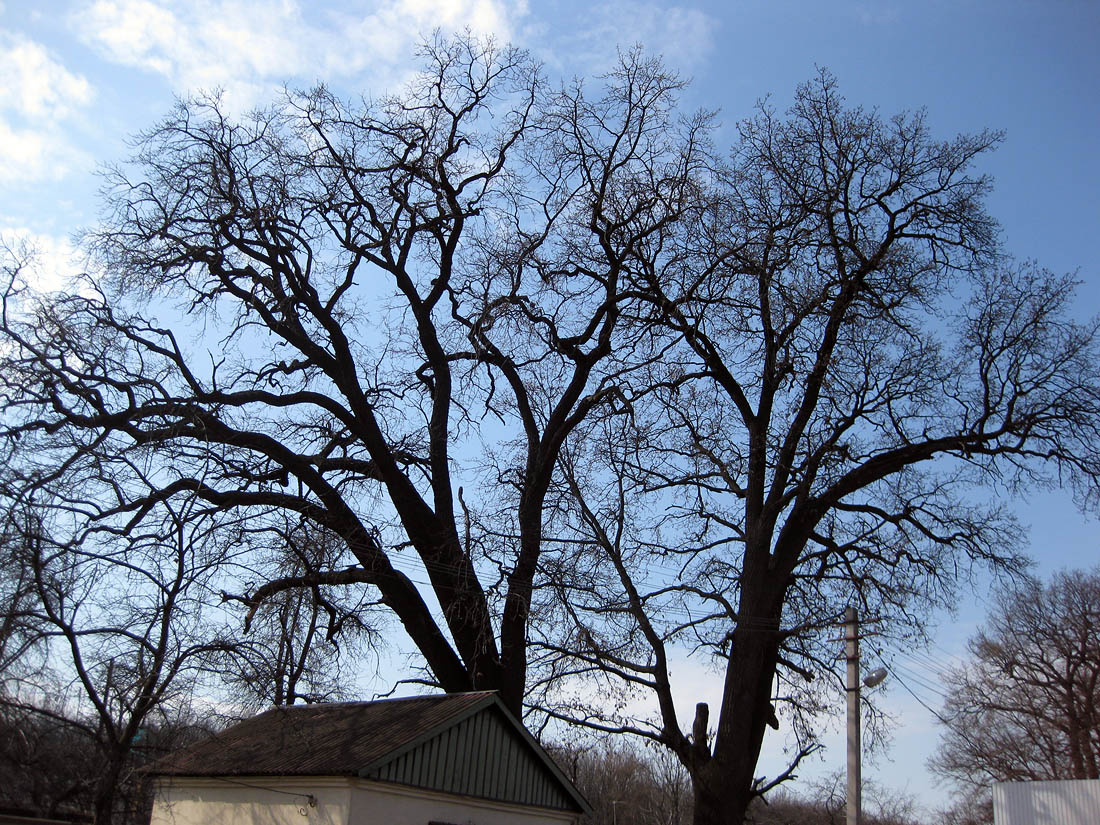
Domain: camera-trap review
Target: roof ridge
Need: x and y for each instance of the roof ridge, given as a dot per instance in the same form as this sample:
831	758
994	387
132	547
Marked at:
438	697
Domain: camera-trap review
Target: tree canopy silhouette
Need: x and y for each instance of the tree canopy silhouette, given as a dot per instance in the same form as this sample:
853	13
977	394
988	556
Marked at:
563	387
859	377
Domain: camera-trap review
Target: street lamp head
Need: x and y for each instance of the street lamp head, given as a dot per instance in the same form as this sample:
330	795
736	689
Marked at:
875	677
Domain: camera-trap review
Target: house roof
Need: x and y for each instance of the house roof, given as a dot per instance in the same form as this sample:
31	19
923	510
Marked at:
464	743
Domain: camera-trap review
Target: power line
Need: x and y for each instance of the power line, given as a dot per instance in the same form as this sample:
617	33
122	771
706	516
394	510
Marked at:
919	680
924	704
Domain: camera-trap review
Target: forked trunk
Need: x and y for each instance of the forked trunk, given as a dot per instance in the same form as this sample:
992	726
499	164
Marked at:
723	783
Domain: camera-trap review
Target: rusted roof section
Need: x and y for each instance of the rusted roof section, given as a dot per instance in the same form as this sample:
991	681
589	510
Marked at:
323	739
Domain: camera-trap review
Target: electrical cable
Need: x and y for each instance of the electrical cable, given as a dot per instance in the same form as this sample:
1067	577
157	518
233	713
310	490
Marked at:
919	680
924	704
310	798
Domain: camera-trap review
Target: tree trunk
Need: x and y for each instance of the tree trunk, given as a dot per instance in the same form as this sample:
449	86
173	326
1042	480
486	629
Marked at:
105	793
723	784
718	799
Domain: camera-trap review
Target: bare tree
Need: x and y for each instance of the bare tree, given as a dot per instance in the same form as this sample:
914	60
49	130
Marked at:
382	319
18	634
603	395
975	808
302	644
825	804
626	783
47	765
860	374
1026	707
120	619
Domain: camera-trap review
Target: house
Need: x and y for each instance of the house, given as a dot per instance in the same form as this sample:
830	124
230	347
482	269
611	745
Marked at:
457	759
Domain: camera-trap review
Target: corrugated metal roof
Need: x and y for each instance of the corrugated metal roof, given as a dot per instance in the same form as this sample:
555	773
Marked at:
1062	802
483	755
463	743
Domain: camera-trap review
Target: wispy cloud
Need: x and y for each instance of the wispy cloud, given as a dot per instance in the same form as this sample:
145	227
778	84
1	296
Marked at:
37	96
201	45
249	47
683	35
34	84
875	14
51	262
37	153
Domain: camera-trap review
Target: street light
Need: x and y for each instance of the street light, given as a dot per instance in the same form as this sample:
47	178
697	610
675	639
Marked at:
855	753
875	677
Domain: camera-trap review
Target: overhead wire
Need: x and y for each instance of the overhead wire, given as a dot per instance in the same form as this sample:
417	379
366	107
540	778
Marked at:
919	680
923	703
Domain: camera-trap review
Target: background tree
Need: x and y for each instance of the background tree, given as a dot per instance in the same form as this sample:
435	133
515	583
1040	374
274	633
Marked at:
47	765
18	634
626	783
118	622
860	372
302	644
824	803
973	808
632	785
1026	706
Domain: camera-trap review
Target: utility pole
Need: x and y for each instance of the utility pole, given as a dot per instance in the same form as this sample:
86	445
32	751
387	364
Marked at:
851	654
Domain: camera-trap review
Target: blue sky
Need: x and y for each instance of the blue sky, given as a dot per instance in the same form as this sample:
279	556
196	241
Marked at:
77	78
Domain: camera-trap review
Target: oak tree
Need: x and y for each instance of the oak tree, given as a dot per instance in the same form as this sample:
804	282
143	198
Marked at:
380	319
1027	704
861	377
571	391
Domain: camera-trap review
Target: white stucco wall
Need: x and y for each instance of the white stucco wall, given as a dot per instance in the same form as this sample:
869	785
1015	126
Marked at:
265	801
379	803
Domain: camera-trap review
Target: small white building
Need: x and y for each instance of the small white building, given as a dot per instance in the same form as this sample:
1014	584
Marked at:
458	759
1061	802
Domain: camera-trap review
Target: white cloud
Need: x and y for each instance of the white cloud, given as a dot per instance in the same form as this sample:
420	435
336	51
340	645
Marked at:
52	262
37	95
205	44
683	36
38	153
35	85
485	16
249	47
